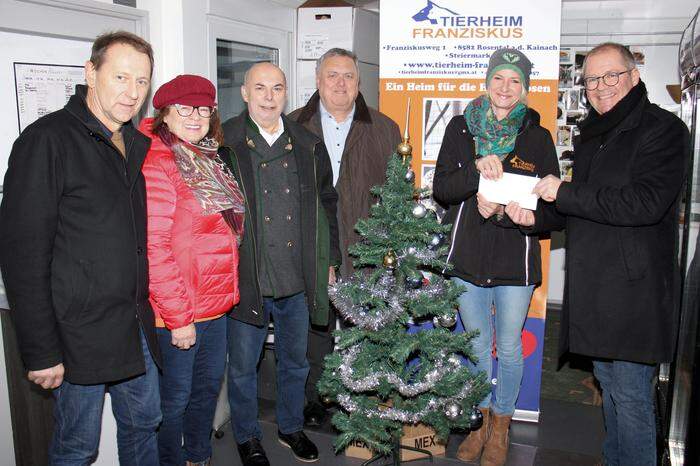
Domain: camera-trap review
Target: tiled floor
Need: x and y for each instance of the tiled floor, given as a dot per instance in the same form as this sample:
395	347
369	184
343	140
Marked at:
568	434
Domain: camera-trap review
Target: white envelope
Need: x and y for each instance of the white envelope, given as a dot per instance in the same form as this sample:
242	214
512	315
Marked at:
509	188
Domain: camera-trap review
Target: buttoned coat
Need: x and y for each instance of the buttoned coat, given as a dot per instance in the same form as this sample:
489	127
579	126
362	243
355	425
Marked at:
319	226
372	140
621	298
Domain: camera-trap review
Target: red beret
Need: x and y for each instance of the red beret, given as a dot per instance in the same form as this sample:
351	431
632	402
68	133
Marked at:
186	89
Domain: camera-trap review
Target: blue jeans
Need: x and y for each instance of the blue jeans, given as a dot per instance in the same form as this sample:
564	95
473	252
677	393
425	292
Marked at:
628	408
245	343
512	303
78	419
189	389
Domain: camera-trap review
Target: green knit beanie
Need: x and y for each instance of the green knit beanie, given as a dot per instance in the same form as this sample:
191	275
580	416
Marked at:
511	59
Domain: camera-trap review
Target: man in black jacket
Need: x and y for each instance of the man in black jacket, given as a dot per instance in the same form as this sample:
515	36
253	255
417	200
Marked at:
73	257
286	257
622	279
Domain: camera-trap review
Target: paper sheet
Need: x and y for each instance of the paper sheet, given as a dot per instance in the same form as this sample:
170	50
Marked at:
509	188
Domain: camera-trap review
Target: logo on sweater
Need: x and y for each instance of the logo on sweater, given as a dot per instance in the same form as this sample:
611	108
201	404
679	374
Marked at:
520	164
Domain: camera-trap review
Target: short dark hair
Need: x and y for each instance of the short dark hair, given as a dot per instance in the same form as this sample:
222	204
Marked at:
215	132
624	52
105	41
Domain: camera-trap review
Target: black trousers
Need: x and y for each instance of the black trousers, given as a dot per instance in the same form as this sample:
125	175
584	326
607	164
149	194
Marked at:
321	343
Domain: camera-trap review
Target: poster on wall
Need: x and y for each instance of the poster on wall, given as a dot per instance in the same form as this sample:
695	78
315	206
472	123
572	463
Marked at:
43	88
436	53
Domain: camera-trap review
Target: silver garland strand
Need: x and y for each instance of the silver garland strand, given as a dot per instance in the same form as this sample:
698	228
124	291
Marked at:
406	417
386	290
372	381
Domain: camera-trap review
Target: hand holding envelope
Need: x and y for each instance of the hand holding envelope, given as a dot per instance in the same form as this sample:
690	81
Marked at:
510	188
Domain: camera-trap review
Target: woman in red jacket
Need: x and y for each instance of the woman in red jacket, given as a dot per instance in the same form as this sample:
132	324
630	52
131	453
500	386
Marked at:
195	221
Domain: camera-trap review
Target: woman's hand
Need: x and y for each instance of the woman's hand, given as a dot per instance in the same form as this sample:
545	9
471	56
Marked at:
184	337
520	216
486	208
490	167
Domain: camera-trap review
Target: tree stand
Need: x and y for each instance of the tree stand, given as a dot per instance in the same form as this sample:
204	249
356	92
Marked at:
394	458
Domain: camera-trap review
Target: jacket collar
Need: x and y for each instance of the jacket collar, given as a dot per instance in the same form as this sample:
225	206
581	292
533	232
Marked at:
312	108
234	132
77	106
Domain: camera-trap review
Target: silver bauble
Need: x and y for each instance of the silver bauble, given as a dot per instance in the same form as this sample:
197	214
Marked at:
419	211
436	241
411	250
476	418
410	176
453	411
447	320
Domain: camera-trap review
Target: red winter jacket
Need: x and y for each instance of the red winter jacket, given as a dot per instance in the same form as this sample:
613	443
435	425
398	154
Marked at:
193	258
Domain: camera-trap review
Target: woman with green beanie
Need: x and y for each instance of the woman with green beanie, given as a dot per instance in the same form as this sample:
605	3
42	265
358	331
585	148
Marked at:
496	261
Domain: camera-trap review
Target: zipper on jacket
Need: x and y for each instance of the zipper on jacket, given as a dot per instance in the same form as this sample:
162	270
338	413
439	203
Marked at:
454	234
255	247
527	260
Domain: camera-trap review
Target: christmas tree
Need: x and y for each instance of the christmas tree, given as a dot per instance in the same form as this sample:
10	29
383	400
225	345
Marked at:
380	375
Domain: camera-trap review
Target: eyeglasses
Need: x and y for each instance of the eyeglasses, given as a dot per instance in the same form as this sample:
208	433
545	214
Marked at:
610	78
187	110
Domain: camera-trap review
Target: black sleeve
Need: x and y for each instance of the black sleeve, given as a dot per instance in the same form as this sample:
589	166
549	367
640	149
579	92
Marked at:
456	178
546	216
329	199
28	225
654	185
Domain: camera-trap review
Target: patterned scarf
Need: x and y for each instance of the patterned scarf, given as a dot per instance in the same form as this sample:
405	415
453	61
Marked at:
206	175
493	136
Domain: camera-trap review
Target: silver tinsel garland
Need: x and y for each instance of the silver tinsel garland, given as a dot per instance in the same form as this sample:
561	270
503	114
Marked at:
373	380
401	415
386	290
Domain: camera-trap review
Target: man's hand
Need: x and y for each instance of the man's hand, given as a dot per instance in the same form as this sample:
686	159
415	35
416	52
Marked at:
520	216
486	208
331	275
490	167
184	337
547	188
51	377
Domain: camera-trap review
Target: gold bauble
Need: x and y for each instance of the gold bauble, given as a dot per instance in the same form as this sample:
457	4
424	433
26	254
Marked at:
390	260
404	149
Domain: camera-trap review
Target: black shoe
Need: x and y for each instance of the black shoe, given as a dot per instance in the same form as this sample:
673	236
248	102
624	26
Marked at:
314	414
303	448
252	453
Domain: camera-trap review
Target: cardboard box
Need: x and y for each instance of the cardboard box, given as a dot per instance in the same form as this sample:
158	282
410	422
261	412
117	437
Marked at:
418	436
322	28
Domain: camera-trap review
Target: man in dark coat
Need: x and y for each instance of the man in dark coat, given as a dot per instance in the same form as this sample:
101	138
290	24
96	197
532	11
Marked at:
73	257
622	278
360	141
289	248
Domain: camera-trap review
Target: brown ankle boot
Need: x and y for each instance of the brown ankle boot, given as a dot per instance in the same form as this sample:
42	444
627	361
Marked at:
496	448
471	447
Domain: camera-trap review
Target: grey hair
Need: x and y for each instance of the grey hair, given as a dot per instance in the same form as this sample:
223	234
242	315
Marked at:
337	52
623	51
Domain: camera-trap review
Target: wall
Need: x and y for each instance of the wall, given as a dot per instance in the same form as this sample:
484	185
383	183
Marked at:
652	25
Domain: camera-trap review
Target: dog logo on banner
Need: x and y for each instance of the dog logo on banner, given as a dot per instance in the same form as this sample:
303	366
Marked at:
429	13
